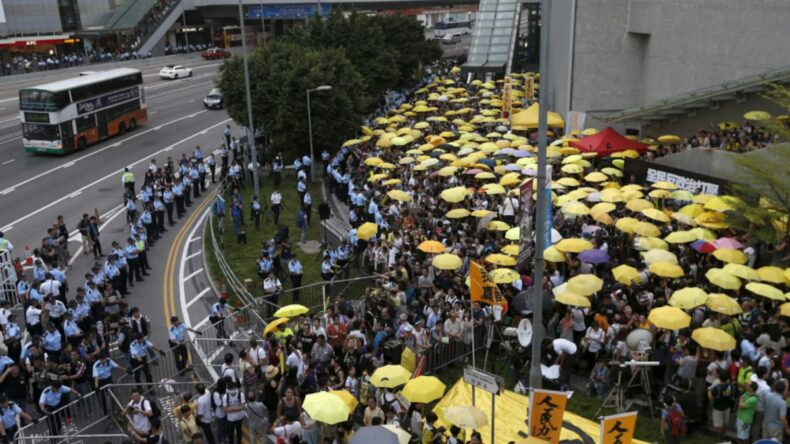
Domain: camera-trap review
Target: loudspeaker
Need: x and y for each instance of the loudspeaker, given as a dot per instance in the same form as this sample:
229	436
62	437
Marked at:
324	211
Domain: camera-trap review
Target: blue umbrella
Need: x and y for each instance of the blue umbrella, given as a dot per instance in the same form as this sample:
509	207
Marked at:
386	434
594	256
522	153
487	162
512	167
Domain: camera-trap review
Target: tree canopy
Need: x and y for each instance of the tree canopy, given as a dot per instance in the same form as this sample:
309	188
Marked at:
360	56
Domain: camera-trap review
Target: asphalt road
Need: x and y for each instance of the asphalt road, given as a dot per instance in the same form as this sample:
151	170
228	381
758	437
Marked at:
35	189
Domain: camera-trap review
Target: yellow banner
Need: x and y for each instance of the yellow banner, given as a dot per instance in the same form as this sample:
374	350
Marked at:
480	289
546	409
618	429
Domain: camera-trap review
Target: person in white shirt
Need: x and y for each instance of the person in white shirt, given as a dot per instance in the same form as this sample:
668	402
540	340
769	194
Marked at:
33	319
257	355
140	410
276	200
203	412
234	404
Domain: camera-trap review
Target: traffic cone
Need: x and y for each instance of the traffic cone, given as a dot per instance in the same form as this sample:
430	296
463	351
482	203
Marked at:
28	257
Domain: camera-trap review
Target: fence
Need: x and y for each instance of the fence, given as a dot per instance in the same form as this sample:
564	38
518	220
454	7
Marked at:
448	352
8	280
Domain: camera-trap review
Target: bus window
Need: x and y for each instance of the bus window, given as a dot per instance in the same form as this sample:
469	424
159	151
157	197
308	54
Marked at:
85	123
40	132
33	100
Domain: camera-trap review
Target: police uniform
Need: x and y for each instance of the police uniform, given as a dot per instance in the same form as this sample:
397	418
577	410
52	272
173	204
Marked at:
255	209
138	357
177	339
102	375
217	316
295	271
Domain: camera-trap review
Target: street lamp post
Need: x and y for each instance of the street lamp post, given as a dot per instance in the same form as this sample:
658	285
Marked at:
310	128
250	124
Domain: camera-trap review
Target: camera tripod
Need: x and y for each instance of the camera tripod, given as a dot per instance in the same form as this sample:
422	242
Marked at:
616	398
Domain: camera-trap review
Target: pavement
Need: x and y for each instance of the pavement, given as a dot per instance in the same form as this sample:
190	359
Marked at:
35	189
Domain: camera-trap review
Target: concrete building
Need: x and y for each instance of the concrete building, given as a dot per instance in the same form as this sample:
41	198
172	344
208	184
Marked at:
610	55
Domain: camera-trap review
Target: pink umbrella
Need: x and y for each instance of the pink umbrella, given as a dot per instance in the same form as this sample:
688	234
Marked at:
473	171
727	242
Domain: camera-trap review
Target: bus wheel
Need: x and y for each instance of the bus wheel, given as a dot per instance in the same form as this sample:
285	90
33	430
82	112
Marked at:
121	129
132	124
82	143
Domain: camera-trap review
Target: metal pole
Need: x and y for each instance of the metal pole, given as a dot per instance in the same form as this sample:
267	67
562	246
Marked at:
263	23
540	226
250	124
493	417
310	132
184	24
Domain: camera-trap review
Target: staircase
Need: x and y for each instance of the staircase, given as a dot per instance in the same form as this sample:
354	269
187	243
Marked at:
494	36
145	22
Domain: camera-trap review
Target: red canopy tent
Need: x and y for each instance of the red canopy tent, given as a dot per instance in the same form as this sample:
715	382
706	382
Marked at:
607	142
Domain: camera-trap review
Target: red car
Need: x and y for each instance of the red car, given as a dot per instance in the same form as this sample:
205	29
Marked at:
215	54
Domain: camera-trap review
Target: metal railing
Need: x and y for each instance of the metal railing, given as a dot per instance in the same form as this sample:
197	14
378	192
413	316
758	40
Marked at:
443	354
111	438
8	280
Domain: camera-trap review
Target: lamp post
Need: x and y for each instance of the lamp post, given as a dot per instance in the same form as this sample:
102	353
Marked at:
310	128
250	124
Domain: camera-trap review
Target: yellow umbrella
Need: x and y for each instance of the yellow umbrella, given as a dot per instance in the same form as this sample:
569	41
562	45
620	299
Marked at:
681	195
730	255
626	224
612	171
664	185
684	219
742	271
688	298
447	262
465	417
272	326
638	205
352	142
373	161
785	309
347	397
367	230
380	176
646	229
658	255
666	269
493	188
713	338
513	234
448	171
424	389
391	182
766	290
431	246
626	275
406	160
291	311
680	237
650	243
602	218
787	274
497	225
552	254
704	234
702	198
390	376
603	207
757	115
585	284
568	182
455	194
659	194
722	279
572	299
669	138
504	275
399	195
774	275
721	303
500	259
596	176
458	213
326	408
692	210
481	213
573	245
576	209
572	168
511	250
669	318
485	176
386	166
656	215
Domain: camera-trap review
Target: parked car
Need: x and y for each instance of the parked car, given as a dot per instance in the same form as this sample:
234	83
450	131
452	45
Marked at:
215	54
175	72
451	39
213	99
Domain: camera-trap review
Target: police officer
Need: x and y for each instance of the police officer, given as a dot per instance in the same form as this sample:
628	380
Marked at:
177	340
265	265
307	204
51	399
102	375
169	199
301	188
148	222
186	181
277	170
201	169
127	178
159	214
138	357
212	167
295	272
8	414
133	259
226	133
219	311
194	175
255	210
277	200
141	242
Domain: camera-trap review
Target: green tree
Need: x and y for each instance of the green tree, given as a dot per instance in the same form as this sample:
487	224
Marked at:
280	75
763	189
408	46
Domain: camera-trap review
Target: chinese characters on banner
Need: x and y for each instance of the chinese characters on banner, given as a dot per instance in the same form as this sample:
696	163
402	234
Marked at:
507	98
618	429
481	289
546	409
529	88
684	183
525	246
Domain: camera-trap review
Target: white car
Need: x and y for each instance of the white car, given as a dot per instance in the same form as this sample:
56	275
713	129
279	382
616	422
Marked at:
175	72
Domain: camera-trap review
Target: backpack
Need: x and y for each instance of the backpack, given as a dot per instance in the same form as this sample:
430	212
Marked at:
156	412
677	423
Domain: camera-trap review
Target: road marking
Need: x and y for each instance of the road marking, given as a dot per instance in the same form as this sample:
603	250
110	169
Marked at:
191	101
9	100
102	179
75	194
9	120
7	191
199	295
7	162
193	274
9	140
93	153
66	165
194	254
194	239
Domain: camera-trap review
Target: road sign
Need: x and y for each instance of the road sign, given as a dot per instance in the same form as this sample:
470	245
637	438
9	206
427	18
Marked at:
483	380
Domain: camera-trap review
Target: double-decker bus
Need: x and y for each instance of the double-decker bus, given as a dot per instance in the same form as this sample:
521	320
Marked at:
67	115
452	28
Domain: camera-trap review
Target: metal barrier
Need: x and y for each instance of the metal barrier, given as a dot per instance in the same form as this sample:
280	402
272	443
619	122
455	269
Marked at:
8	280
443	354
113	438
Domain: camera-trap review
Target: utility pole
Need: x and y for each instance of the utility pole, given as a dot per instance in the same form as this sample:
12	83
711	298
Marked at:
310	127
538	332
250	124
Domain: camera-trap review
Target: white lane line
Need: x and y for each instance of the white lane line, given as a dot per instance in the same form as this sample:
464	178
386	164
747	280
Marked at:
199	295
75	194
181	83
93	153
194	239
7	162
193	274
9	140
193	254
9	99
7	191
9	120
112	174
182	297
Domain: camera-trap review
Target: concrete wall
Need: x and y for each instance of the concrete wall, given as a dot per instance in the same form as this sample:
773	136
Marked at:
30	17
632	52
97	12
